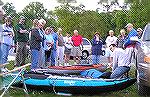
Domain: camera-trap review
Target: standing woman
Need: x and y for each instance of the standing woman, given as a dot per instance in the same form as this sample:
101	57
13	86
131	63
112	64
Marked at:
7	41
48	45
60	50
35	45
41	59
96	48
121	38
68	47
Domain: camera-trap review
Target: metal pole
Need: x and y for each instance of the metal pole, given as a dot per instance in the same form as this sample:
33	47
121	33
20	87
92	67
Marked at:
6	89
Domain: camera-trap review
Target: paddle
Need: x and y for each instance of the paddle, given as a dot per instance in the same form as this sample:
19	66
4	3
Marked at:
2	65
15	69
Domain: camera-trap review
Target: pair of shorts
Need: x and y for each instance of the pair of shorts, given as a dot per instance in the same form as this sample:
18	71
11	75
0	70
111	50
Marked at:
76	51
67	50
108	52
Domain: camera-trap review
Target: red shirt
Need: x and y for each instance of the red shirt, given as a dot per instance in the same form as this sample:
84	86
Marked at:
77	40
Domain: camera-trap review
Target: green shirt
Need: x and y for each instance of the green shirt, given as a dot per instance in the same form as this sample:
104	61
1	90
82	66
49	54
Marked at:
21	37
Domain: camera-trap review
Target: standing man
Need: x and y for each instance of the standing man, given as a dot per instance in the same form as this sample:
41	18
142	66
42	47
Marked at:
22	38
111	39
1	38
1	17
76	50
55	46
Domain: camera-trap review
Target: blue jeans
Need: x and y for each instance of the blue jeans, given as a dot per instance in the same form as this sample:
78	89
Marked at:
96	59
53	57
119	71
5	51
34	58
0	54
41	60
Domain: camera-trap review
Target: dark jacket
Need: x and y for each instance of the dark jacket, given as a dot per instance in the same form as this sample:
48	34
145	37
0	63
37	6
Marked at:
36	39
96	47
21	37
120	41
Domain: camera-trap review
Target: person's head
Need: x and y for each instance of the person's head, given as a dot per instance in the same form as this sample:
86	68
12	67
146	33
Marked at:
21	19
111	33
41	23
112	47
8	20
35	22
97	34
47	31
122	32
52	29
129	27
59	31
75	32
68	34
139	30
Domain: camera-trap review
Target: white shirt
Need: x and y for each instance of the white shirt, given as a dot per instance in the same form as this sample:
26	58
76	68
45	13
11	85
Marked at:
7	39
49	38
68	42
120	58
110	40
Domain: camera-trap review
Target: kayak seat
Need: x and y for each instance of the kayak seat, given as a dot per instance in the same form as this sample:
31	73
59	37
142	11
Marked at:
35	75
94	73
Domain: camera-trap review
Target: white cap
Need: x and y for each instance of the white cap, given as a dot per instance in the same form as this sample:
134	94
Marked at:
129	24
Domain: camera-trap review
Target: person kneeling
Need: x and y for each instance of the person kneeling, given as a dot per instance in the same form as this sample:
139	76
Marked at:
120	64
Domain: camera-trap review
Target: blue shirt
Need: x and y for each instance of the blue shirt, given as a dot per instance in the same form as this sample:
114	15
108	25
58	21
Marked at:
49	38
132	33
55	37
7	39
43	37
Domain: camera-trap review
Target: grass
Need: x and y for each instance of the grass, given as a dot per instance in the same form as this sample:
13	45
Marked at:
128	92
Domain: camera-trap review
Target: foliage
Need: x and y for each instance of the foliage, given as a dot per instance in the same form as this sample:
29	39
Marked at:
120	20
9	9
87	22
139	13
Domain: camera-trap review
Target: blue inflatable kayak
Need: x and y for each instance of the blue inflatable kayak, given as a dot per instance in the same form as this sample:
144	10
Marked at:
75	84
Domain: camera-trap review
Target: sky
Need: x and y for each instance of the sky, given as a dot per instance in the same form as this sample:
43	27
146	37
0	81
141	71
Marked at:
51	4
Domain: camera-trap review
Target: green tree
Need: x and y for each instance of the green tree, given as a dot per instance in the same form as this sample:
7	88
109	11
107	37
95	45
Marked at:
66	1
108	4
139	13
32	11
9	9
120	19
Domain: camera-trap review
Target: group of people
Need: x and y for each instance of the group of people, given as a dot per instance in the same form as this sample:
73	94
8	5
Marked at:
49	48
122	50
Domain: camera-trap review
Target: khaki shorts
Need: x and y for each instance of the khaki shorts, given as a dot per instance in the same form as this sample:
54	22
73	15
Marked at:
76	51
